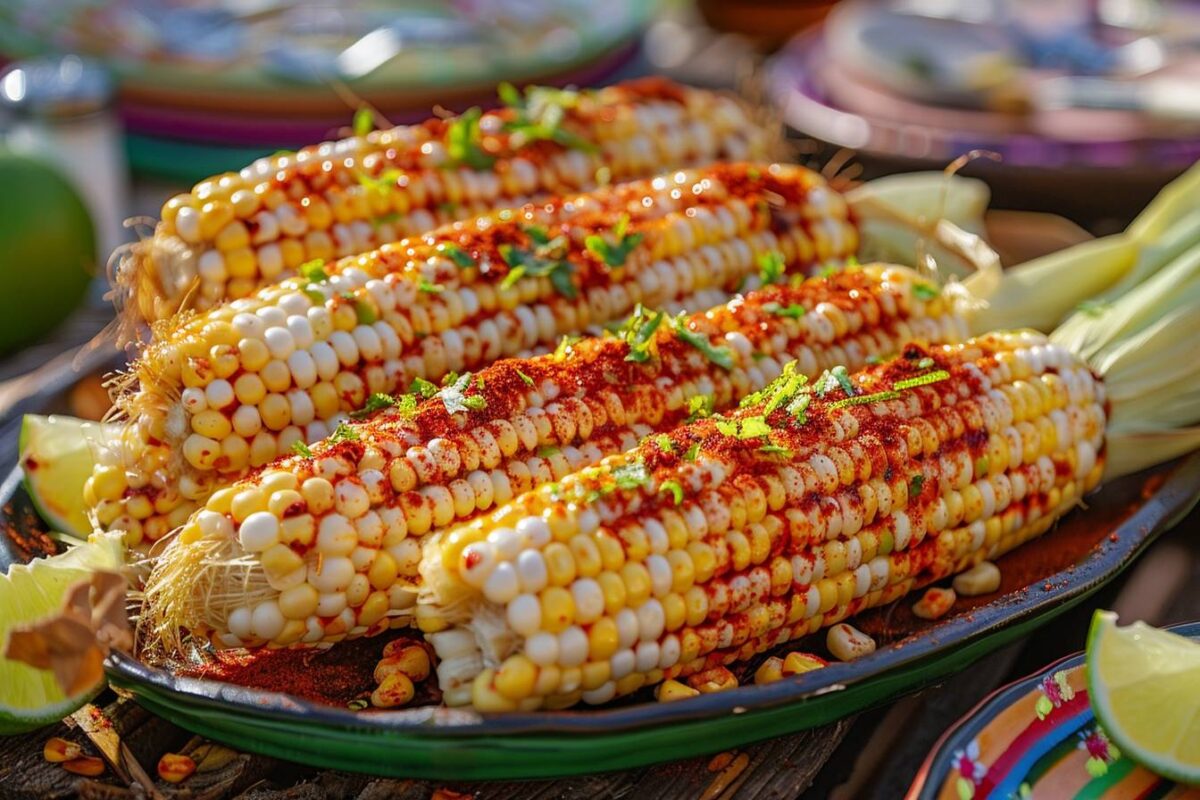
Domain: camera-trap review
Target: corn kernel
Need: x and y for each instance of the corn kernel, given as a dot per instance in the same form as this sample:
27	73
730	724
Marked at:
87	766
174	768
848	643
394	690
717	679
983	578
670	690
57	750
934	604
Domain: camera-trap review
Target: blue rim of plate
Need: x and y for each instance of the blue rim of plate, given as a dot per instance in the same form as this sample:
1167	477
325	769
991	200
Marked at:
929	779
636	735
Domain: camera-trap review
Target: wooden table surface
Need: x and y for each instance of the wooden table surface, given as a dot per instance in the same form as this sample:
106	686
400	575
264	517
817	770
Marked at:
873	755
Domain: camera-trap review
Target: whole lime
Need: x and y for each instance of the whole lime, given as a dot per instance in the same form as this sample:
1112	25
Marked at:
47	249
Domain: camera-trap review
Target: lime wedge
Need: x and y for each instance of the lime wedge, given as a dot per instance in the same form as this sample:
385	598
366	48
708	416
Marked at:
56	457
29	697
1145	689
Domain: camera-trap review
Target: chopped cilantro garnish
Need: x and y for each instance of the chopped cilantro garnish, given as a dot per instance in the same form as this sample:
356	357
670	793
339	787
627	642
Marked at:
528	380
545	451
839	376
793	310
381	185
727	427
364	121
798	407
422	387
674	488
664	443
753	427
430	288
843	378
454	396
925	291
457	255
720	355
925	363
301	449
376	402
614	253
774	449
829	270
565	344
874	359
771	266
915	484
345	433
463	141
314	294
365	312
700	406
638	333
865	399
547	259
921	380
540	113
692	452
631	476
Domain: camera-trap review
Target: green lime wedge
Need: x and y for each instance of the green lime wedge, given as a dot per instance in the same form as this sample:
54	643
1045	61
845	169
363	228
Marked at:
56	457
1144	686
29	697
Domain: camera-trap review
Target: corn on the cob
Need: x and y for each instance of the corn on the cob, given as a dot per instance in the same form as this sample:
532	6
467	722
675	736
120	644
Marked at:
237	232
804	507
235	387
317	548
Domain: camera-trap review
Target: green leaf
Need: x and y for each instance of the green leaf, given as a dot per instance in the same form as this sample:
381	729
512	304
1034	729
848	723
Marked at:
843	378
771	267
528	380
664	443
727	427
675	488
314	294
616	252
798	408
753	427
700	406
534	264
921	380
793	310
422	387
638	333
720	355
430	288
344	433
510	95
463	141
376	402
914	486
364	121
692	452
457	255
774	449
565	344
545	451
455	399
631	476
925	363
302	449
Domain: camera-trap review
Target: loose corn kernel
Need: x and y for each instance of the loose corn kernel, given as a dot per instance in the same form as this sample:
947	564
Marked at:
797	663
405	656
670	690
57	750
394	690
717	679
847	643
769	671
88	766
174	768
934	604
983	578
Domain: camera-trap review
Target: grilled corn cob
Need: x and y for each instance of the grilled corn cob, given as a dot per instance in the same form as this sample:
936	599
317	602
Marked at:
811	503
237	232
235	387
319	547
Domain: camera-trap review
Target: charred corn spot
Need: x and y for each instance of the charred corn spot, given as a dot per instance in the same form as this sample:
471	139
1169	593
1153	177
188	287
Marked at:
913	429
57	750
934	604
87	766
223	392
174	768
367	502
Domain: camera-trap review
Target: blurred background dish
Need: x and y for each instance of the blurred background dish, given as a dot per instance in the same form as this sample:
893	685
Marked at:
206	84
1086	104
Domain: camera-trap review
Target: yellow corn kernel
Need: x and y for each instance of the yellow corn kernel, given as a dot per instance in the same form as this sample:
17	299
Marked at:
668	691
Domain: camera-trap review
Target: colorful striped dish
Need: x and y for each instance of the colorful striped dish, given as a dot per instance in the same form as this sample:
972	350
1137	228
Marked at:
1038	739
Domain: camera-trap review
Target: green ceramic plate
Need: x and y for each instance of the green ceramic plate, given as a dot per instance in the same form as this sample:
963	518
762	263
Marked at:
1042	580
